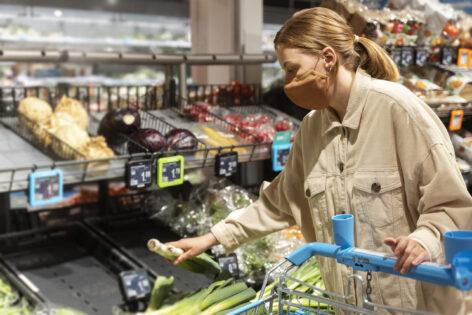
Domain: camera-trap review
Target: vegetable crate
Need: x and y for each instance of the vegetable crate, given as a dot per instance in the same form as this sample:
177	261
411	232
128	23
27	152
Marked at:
69	265
285	300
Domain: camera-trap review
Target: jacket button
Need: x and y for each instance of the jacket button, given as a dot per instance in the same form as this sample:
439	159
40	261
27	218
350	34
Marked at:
376	187
308	192
341	167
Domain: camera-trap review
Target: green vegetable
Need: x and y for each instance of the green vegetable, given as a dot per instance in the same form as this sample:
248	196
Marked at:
202	263
235	300
222	294
160	291
11	302
191	305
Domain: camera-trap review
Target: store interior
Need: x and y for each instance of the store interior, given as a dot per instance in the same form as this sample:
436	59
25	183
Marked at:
125	121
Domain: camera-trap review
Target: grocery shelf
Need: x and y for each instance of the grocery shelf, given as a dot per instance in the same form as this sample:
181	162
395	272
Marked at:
131	232
13	175
41	56
70	265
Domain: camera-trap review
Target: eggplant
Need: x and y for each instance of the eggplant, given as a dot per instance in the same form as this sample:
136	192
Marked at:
119	122
181	139
146	139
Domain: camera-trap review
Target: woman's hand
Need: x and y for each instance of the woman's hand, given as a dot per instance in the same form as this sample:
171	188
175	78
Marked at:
194	246
409	253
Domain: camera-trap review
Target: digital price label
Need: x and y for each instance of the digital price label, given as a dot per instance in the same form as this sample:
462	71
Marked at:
281	150
229	264
447	56
421	57
170	171
135	285
463	56
226	164
408	59
45	187
455	120
138	174
396	55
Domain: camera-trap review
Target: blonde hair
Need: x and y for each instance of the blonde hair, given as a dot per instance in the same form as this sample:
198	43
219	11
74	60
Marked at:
316	28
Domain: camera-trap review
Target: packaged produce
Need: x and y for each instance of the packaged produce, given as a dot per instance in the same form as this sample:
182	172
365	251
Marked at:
146	139
202	263
200	112
257	127
122	121
462	147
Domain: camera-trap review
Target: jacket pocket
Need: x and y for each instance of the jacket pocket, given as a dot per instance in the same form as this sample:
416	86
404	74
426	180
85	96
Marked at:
377	197
315	192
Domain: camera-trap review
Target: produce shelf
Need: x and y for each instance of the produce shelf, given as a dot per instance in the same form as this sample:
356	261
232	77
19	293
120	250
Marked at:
70	265
98	99
131	233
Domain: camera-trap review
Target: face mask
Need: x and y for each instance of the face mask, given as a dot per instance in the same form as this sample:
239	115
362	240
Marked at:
309	90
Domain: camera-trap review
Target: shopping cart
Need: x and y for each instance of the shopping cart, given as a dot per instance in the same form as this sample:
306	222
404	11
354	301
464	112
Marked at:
283	300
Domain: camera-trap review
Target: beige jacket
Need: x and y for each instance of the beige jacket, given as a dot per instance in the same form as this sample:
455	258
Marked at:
391	164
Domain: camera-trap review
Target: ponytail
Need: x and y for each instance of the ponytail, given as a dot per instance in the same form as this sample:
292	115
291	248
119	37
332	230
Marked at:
316	28
376	62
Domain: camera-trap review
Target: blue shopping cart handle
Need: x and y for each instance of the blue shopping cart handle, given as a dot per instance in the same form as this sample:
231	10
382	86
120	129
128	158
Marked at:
309	250
246	308
458	246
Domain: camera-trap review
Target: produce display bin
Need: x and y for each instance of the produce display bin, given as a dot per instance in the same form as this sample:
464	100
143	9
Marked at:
131	233
70	265
22	285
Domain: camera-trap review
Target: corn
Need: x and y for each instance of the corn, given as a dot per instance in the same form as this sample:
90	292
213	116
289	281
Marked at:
202	263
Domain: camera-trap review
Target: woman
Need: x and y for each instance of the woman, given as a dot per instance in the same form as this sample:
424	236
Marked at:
371	148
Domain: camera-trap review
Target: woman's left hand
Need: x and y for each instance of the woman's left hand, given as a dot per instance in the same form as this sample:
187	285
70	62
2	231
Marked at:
409	253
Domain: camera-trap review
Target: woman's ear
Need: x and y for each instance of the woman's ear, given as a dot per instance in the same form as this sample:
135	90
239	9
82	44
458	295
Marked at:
330	58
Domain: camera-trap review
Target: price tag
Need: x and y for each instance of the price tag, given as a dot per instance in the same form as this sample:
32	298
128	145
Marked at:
463	57
138	174
45	187
170	171
229	264
455	121
407	56
447	56
135	285
281	150
421	57
226	164
396	55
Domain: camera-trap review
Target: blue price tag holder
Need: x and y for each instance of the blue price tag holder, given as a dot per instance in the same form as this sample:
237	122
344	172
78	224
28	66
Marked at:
170	171
281	150
45	187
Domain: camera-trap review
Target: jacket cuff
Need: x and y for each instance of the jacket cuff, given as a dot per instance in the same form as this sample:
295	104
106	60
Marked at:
429	241
224	236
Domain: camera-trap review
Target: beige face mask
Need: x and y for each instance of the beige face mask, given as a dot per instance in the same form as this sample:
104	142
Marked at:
309	90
